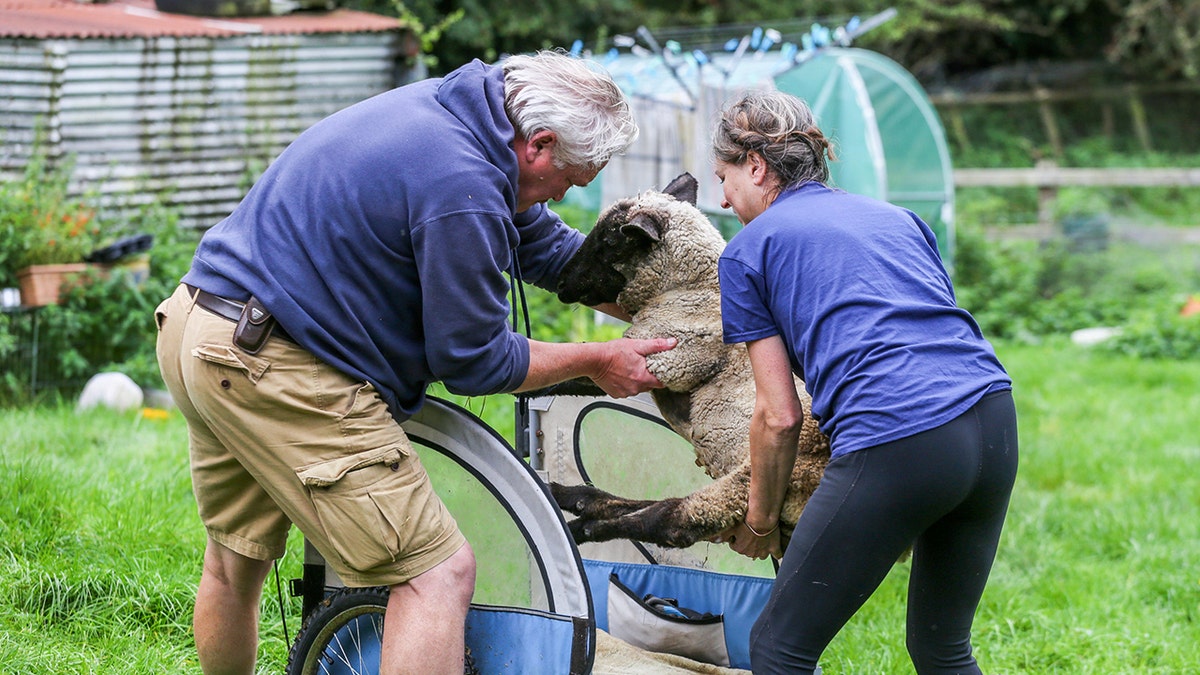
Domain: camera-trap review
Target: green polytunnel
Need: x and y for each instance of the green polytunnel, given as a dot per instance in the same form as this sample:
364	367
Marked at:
888	137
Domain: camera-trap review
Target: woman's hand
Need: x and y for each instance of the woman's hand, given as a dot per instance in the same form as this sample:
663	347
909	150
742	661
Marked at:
753	544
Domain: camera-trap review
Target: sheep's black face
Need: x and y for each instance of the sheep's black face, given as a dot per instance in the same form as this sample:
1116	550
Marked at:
593	275
623	236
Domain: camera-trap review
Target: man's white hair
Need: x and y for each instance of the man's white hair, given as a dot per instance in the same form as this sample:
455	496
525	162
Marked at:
574	98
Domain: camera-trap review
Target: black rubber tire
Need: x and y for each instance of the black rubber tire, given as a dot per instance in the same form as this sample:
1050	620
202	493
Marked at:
332	638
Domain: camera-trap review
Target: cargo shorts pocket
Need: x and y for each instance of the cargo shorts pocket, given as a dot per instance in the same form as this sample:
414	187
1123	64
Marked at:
222	355
372	504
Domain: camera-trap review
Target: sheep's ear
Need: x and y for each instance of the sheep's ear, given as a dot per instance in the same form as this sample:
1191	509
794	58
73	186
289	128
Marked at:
683	188
643	225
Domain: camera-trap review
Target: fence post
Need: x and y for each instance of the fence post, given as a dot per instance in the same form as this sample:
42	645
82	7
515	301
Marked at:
1047	194
1138	112
1046	110
959	128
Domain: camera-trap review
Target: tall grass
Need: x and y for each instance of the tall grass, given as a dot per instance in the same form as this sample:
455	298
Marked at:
1098	572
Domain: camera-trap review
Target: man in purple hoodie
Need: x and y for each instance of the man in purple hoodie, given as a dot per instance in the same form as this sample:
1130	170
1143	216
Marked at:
372	258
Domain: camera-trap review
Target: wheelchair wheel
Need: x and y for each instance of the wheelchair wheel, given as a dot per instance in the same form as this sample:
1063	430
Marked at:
343	635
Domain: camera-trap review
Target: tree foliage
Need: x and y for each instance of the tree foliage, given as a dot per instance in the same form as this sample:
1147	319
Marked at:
487	29
1146	39
1159	39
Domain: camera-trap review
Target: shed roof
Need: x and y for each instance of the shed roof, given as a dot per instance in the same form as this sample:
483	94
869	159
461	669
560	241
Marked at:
126	19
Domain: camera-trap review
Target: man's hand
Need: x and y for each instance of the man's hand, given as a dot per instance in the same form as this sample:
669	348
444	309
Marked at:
623	373
617	366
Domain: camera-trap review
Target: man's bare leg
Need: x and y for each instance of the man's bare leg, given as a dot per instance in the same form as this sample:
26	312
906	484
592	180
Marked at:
226	615
426	619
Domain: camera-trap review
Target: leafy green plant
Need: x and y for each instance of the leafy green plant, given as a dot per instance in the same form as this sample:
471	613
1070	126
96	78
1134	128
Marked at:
40	223
1029	290
1163	334
110	321
427	32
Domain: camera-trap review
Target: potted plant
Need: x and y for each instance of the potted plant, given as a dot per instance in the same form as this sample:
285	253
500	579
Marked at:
57	244
47	233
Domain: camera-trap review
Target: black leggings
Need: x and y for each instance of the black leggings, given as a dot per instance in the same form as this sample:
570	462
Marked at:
944	492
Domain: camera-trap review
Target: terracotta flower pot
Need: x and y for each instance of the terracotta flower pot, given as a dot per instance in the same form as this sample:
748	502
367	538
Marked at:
40	284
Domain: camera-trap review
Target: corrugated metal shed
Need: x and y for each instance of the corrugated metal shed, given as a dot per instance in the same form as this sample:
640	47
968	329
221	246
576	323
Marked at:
184	109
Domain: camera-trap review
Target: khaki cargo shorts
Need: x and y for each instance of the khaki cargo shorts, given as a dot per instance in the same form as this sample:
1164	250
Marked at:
280	437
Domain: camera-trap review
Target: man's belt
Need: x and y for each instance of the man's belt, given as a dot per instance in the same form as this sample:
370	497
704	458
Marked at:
254	323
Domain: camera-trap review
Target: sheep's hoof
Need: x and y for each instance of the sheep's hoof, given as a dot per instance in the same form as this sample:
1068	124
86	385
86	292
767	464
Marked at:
579	531
572	498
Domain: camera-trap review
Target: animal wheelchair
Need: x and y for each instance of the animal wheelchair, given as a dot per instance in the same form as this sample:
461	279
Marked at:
543	604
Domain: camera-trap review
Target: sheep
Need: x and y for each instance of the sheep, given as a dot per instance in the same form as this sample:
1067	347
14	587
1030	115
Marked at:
656	256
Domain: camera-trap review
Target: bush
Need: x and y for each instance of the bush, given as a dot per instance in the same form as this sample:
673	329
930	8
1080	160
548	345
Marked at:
112	320
1028	290
1163	334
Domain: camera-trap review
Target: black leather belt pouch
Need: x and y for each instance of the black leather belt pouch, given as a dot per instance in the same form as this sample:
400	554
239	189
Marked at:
254	327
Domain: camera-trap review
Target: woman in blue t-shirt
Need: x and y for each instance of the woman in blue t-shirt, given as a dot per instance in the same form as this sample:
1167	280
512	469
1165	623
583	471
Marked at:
850	294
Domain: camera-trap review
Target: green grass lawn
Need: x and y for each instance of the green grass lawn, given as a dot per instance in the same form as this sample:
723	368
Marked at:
1098	573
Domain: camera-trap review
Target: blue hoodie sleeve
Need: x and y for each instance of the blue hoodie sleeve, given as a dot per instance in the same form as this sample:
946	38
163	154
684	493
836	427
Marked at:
461	259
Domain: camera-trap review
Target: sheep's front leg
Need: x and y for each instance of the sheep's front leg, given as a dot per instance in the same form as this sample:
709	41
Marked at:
677	522
593	506
593	503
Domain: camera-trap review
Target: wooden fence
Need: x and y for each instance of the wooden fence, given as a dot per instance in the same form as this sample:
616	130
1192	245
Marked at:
951	104
1048	178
